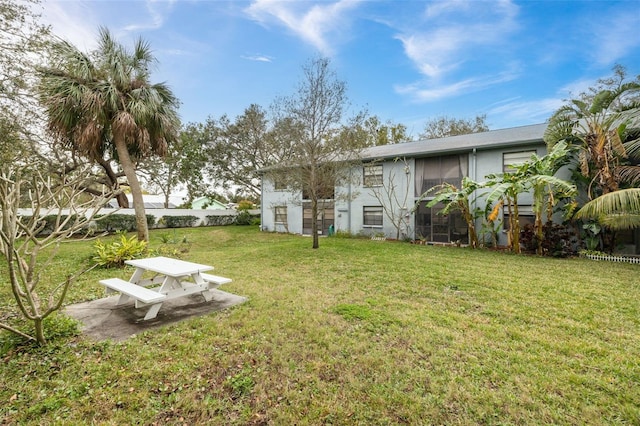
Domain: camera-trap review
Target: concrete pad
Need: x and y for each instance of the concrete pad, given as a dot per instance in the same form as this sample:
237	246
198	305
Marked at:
101	319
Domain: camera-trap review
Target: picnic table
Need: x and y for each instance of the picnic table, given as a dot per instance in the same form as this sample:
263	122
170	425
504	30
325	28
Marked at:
157	279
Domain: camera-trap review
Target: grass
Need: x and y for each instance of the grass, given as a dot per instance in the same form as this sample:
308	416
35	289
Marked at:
357	332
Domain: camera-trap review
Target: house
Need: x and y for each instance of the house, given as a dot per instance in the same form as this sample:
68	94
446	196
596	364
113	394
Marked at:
205	203
381	198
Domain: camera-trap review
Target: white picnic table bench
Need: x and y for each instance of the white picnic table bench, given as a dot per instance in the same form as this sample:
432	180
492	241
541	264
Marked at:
171	278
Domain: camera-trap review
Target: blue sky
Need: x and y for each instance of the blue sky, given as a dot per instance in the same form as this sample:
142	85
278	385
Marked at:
405	61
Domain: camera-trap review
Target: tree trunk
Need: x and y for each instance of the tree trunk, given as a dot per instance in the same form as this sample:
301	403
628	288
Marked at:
539	233
121	198
129	170
314	222
515	225
39	331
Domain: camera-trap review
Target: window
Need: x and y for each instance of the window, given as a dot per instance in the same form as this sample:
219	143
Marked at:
323	191
372	175
511	160
372	216
525	216
281	214
433	171
279	184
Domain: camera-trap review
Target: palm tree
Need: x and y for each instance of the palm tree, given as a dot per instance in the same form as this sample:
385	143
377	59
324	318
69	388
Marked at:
547	188
103	103
506	189
606	128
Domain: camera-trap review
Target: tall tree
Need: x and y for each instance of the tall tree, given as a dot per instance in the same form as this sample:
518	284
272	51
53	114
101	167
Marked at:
183	167
320	155
442	127
604	123
106	102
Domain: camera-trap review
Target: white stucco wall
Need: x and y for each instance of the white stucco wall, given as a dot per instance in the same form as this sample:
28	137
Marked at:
272	198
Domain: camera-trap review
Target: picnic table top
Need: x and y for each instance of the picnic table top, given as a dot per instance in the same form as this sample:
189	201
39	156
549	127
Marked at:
169	266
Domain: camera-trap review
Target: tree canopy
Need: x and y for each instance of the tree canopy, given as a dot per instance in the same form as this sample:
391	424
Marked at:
442	127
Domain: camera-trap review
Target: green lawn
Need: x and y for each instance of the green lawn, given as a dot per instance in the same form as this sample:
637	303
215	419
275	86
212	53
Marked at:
357	332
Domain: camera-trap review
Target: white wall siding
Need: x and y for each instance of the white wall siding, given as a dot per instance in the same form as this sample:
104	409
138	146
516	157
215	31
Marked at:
271	199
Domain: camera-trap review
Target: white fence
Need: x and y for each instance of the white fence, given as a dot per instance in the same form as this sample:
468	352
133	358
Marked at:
609	258
158	214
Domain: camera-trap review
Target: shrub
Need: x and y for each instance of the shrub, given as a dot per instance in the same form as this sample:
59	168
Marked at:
180	221
557	240
121	222
114	255
220	220
244	218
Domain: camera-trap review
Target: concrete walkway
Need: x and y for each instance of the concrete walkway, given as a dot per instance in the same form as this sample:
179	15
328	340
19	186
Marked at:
101	319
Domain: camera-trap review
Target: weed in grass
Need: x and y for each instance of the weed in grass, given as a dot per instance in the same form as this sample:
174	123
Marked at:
240	384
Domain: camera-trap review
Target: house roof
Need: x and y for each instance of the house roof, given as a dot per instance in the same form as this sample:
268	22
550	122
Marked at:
210	202
515	136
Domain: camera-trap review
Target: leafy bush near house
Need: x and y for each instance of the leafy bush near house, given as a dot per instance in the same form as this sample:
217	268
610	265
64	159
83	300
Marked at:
246	218
113	255
558	240
187	221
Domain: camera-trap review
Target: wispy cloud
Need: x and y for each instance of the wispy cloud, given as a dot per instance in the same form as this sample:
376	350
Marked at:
157	13
426	91
616	35
65	20
534	111
258	58
449	35
314	23
453	31
78	22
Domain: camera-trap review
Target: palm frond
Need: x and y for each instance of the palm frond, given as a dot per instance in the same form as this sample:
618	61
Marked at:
629	175
621	222
623	202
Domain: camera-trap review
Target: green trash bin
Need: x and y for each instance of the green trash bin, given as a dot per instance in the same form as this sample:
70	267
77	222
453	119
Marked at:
331	230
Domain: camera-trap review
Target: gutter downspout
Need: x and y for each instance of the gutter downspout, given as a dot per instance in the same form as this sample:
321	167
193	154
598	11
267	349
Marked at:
349	201
262	203
475	179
